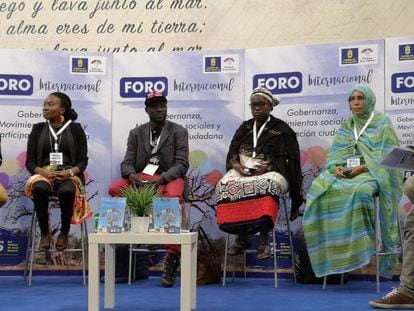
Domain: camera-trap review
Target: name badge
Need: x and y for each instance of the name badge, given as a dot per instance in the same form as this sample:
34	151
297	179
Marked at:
150	169
353	162
56	158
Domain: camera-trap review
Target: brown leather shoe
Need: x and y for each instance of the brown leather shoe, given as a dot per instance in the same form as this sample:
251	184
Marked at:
45	242
62	242
394	300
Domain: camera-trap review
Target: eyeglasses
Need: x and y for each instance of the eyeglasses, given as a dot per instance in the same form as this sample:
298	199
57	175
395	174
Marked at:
353	98
258	104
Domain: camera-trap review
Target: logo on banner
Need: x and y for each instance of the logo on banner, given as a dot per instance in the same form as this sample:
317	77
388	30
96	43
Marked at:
279	83
18	85
358	55
138	87
227	63
402	82
95	65
406	52
212	64
349	56
79	65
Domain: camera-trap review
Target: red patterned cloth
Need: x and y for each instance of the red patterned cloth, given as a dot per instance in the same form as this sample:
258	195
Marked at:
241	211
81	209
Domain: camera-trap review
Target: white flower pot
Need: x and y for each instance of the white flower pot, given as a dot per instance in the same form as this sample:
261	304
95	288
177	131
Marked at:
139	224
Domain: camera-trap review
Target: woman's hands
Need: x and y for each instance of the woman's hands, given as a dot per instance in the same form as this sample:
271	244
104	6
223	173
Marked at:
50	175
341	172
63	175
259	170
57	175
241	169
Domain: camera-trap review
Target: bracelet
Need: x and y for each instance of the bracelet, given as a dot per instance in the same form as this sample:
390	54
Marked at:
332	168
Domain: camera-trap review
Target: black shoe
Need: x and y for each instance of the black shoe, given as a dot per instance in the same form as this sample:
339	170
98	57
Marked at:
171	264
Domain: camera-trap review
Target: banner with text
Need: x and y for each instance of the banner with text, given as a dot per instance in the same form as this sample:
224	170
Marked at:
26	79
208	93
313	83
399	93
205	93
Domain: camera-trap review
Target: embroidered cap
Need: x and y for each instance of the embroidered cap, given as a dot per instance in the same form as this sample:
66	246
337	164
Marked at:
265	93
155	97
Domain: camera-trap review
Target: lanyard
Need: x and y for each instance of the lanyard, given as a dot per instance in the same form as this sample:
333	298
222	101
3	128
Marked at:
257	135
358	135
155	149
55	135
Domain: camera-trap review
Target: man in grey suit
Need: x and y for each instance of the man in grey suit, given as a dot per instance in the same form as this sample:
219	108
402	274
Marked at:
157	152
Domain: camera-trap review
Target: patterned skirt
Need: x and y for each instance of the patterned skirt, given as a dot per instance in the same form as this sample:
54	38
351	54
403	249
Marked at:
247	203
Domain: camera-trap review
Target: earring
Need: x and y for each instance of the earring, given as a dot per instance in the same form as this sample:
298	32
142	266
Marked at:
61	119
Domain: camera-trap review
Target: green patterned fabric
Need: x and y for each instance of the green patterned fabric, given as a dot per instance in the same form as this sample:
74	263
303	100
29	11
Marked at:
339	216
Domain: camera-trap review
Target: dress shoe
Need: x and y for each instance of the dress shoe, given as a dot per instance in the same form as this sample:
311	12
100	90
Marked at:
62	242
45	242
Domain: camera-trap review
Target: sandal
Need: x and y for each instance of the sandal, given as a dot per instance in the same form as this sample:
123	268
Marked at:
235	250
45	242
263	251
238	248
62	242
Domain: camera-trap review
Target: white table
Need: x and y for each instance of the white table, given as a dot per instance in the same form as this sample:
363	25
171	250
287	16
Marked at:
188	242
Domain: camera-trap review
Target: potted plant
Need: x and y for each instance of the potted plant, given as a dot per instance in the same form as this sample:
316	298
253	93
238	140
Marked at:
139	205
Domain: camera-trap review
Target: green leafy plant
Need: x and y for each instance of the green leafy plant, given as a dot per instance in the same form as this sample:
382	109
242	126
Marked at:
139	200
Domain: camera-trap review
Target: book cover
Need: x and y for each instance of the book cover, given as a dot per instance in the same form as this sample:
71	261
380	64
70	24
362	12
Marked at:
399	157
111	215
167	215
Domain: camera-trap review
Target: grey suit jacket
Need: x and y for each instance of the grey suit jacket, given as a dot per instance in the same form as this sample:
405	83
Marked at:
172	151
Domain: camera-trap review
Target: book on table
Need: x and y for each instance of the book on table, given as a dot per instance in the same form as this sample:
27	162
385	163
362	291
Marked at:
167	215
111	215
